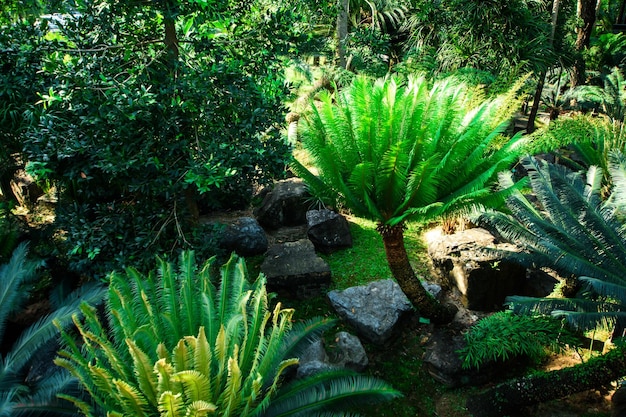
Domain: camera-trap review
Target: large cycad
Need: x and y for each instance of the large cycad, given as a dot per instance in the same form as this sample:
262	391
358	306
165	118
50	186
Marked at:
393	151
574	232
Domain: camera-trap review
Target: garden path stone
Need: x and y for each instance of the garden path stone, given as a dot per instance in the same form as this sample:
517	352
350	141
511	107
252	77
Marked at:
373	310
294	269
328	230
244	236
285	205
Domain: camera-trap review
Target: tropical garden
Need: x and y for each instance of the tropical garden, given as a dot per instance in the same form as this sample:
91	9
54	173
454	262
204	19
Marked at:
123	124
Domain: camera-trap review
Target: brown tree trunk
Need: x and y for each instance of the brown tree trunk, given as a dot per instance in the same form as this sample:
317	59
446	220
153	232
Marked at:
510	397
171	43
343	7
587	14
398	260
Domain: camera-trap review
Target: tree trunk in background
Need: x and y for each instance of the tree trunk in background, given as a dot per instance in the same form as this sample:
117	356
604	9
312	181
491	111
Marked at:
587	14
171	44
530	126
343	9
510	397
398	260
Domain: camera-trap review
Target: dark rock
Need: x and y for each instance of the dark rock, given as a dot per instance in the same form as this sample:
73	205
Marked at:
245	237
373	309
441	357
285	205
483	278
352	355
314	360
329	231
294	269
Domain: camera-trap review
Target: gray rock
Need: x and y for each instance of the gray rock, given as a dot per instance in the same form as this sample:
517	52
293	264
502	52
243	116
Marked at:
294	269
314	360
484	279
441	358
245	237
285	205
352	354
329	231
373	310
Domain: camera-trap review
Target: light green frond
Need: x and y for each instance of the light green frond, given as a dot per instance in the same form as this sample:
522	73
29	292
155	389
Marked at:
143	368
196	386
231	396
200	409
171	405
202	354
164	371
180	356
132	398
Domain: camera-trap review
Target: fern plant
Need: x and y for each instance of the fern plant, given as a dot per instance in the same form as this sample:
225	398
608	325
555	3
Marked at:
391	151
183	342
24	390
503	335
574	232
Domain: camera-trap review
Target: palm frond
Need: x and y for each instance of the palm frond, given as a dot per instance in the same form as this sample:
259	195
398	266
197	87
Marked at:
325	391
13	276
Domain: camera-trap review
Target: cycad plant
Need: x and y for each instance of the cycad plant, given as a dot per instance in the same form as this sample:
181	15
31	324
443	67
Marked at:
24	388
574	232
391	151
185	342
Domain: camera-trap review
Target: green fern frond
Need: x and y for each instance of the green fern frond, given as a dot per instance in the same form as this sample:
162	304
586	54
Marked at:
171	405
196	385
328	390
13	276
132	398
143	368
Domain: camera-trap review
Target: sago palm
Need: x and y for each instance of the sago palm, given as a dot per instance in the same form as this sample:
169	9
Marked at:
574	232
393	151
24	390
186	342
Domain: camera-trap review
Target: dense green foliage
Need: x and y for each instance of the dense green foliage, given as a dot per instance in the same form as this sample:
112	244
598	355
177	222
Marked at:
29	385
185	342
142	134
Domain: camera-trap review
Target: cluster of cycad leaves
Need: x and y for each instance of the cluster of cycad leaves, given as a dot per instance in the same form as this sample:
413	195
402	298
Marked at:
178	344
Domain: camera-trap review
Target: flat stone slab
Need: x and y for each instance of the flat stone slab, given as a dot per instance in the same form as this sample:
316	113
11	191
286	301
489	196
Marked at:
295	269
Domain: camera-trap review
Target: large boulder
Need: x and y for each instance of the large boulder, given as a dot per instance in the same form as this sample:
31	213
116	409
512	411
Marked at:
285	205
483	278
373	310
245	237
328	230
295	270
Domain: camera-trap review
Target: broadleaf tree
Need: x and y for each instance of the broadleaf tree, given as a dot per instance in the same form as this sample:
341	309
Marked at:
160	111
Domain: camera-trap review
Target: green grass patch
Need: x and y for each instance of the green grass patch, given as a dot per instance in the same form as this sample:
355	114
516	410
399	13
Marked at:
366	261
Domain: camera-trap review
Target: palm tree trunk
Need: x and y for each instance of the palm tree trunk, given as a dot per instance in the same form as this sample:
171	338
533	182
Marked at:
511	396
398	260
343	7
